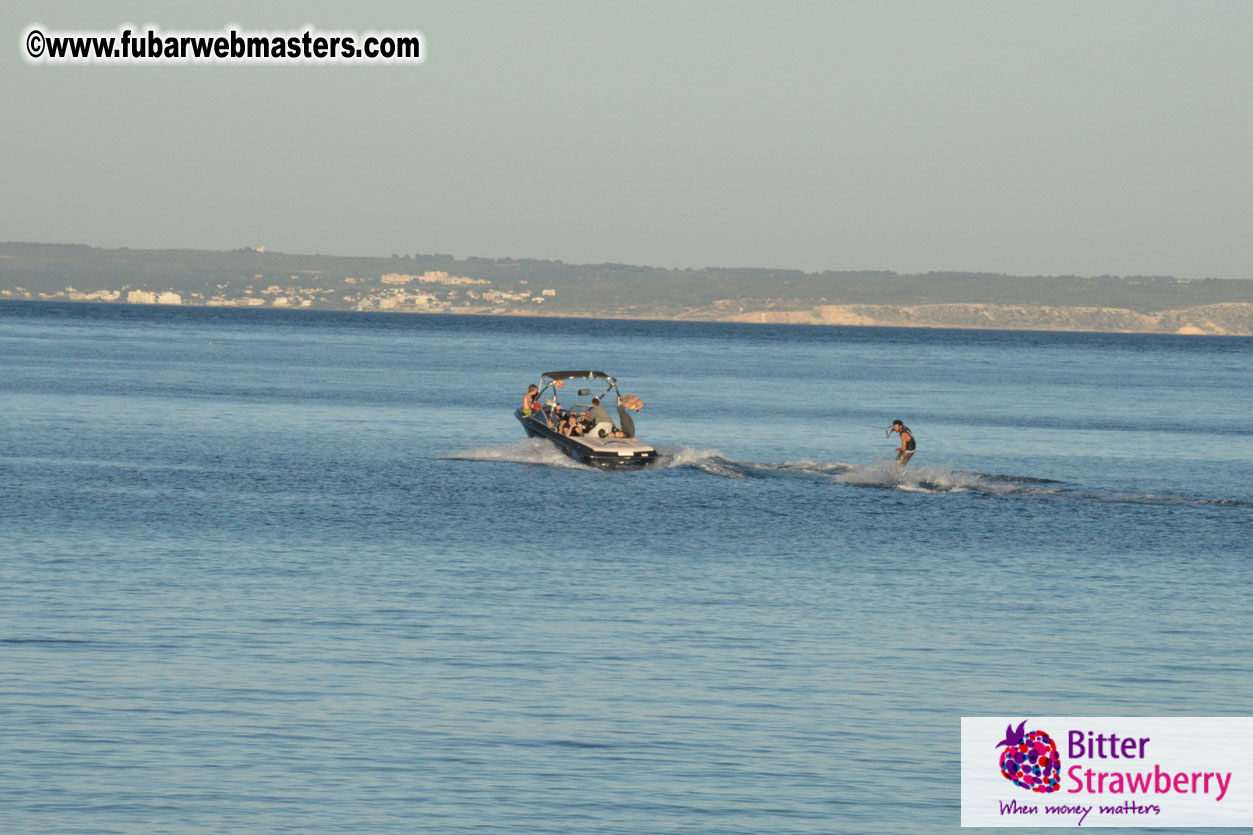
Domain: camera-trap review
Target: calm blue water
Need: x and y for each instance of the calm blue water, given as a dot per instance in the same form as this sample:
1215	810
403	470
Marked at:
265	571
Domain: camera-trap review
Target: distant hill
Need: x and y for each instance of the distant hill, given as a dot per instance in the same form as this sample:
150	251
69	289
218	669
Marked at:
441	283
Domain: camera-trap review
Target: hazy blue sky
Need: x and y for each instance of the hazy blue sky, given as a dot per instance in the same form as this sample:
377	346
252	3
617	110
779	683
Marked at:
1055	137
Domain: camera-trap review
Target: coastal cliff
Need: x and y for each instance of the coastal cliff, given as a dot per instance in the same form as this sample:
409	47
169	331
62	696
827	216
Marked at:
436	283
1232	319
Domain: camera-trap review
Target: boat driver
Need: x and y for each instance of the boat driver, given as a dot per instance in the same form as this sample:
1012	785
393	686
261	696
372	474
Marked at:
598	413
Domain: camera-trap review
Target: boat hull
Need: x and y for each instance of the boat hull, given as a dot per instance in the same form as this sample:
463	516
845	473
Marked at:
605	454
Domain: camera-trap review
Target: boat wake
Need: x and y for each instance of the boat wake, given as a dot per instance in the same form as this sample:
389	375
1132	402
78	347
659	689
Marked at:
528	451
883	474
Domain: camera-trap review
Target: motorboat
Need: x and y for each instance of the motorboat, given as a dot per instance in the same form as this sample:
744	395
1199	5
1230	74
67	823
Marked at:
594	440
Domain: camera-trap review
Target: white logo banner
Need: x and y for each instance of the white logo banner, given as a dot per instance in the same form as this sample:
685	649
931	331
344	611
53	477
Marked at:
1106	771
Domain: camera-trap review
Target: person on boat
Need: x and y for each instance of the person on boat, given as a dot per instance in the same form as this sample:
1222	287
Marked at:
598	413
908	445
570	425
528	400
599	421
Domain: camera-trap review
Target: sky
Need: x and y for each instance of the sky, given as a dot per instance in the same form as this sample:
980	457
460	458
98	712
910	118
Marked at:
1031	138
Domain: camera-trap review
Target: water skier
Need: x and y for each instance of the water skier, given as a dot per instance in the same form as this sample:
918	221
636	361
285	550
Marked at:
908	445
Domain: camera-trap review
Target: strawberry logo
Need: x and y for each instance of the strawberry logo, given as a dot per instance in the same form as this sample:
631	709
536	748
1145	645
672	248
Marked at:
1030	759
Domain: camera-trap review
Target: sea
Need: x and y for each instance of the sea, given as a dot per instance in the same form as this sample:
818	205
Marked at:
291	571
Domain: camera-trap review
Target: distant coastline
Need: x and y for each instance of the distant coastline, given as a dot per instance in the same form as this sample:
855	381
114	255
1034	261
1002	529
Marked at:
432	283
